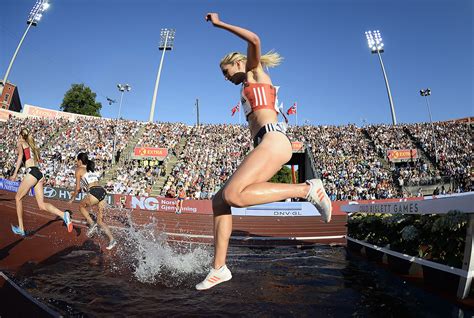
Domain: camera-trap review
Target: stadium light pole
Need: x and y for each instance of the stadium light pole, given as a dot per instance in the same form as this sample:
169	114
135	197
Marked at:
197	111
374	40
34	17
166	43
122	88
426	93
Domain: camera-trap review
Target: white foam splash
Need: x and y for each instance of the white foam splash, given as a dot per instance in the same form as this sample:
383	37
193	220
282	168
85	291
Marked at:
154	260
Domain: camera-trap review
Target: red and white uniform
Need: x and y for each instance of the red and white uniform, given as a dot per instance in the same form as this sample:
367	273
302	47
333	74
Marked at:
256	96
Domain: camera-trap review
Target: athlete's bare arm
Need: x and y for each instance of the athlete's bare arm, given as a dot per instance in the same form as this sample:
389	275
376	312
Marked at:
253	41
19	148
78	186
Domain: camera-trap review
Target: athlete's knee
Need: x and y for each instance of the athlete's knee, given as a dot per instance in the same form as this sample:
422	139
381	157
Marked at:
219	207
42	206
18	197
232	197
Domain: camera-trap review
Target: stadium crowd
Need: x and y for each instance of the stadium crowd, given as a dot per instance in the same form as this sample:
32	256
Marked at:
348	163
352	161
211	155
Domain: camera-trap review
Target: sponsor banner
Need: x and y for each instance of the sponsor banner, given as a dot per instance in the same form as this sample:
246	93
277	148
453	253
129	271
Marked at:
5	114
432	205
12	186
402	155
39	112
30	110
162	204
297	146
146	152
65	195
279	209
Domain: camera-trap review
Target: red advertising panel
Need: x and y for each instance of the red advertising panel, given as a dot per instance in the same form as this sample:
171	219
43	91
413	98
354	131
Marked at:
150	152
402	155
162	204
297	145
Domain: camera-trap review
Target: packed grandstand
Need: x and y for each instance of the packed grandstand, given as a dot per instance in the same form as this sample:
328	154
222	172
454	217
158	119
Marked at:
155	159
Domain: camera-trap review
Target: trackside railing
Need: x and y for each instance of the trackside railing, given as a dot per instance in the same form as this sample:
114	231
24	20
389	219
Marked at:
463	202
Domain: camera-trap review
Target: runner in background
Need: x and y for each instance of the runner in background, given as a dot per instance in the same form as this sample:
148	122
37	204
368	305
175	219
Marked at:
29	155
180	198
88	181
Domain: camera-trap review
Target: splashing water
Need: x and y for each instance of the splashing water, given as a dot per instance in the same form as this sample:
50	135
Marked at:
153	260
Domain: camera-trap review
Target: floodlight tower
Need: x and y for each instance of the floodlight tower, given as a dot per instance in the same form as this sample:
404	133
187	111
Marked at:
34	17
426	93
374	40
166	43
122	88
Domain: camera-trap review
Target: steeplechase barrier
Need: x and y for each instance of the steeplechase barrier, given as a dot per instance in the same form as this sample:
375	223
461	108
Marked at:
462	202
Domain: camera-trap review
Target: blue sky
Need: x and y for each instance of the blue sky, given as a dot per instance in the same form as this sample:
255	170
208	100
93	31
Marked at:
328	67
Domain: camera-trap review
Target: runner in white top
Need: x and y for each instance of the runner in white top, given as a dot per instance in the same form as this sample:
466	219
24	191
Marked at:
88	181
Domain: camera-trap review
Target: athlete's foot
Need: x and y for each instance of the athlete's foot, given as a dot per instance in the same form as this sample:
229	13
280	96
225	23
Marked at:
319	198
215	277
92	230
18	231
111	245
67	220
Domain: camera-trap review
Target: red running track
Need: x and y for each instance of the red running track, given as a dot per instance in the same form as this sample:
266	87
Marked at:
49	236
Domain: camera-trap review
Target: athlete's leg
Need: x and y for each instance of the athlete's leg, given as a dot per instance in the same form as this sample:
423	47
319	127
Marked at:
222	228
83	205
43	206
249	186
26	184
100	215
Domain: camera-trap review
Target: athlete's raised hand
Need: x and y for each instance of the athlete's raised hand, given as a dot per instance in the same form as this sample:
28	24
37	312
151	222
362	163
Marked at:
213	17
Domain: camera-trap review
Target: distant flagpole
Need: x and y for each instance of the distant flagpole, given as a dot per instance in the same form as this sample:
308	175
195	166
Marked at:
240	106
296	113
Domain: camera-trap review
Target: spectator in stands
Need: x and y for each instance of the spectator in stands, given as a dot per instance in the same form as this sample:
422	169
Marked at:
181	195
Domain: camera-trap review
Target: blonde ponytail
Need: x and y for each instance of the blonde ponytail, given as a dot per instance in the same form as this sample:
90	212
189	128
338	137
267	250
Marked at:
271	59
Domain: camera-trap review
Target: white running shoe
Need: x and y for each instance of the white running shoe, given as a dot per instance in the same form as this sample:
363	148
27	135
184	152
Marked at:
111	245
92	230
319	198
215	276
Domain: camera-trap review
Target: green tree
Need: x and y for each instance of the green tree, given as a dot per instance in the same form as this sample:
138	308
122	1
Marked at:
80	99
283	176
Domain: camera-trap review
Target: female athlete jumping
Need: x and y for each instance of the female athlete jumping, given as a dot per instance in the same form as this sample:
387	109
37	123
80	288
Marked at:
248	185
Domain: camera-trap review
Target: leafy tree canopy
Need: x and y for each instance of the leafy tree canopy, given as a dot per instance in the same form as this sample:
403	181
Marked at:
80	99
